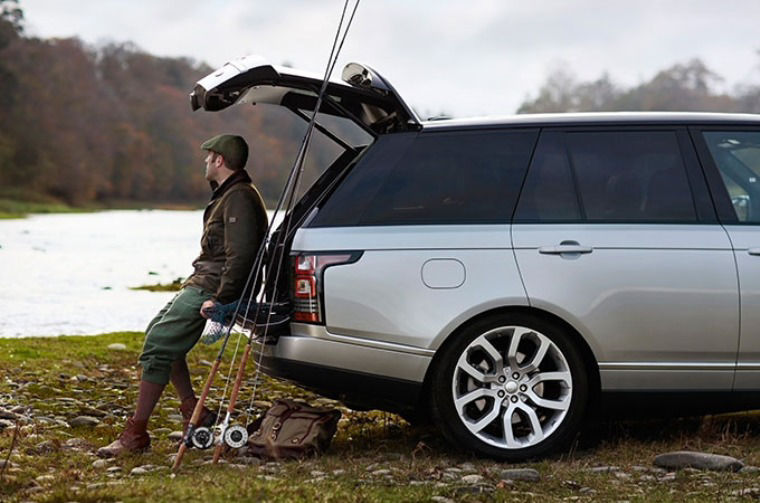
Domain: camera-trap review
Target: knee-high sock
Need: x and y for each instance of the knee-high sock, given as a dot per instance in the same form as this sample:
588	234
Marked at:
146	401
180	378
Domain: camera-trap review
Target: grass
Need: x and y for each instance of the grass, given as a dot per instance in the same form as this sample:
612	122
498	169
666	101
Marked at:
174	286
10	208
374	457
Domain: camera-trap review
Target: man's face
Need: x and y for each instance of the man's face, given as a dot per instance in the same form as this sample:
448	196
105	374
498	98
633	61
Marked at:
212	168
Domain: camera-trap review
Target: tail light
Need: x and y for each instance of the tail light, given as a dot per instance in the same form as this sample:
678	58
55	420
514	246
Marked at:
308	273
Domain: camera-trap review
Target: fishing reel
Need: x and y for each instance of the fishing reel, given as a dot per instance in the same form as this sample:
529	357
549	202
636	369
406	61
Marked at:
235	437
202	438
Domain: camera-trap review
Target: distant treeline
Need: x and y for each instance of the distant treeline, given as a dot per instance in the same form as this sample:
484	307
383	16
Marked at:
682	87
113	124
88	125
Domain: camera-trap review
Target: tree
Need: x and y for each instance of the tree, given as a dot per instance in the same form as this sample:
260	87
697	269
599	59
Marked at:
683	87
11	13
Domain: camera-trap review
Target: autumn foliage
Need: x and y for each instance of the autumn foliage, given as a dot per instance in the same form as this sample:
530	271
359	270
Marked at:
84	125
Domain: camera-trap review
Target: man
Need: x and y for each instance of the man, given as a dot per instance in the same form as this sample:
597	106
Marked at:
234	225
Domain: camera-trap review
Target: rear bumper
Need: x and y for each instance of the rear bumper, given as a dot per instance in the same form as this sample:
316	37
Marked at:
359	372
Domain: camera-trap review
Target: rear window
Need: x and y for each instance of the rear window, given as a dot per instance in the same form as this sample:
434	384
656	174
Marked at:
462	177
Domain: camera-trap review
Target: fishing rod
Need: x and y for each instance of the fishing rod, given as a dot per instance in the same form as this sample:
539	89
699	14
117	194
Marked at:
203	437
237	436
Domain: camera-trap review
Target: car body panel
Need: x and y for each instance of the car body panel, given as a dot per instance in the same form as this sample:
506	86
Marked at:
746	242
316	345
383	296
251	79
646	296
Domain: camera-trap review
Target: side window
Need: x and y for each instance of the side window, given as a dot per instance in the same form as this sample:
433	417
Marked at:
454	177
631	176
737	156
549	192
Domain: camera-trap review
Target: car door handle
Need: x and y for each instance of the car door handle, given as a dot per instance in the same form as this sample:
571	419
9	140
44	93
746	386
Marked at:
563	248
754	251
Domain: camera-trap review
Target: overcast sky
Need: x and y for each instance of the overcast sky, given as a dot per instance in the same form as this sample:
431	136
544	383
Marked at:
464	57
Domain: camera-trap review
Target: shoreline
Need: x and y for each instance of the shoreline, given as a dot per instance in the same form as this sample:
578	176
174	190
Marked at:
11	209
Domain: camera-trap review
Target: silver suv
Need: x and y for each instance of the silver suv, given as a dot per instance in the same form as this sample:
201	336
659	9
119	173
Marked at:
506	274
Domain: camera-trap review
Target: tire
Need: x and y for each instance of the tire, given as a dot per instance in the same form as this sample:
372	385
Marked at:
541	384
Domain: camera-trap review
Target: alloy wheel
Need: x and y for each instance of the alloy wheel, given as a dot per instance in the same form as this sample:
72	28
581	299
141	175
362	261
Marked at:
512	387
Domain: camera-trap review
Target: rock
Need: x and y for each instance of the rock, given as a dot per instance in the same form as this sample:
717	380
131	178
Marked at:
117	346
100	463
702	460
526	474
639	468
139	470
205	363
668	477
467	467
45	478
442	499
84	421
211	462
114	469
317	473
380	473
177	418
602	469
3	463
175	436
750	469
91	411
78	443
7	414
96	485
250	461
338	472
43	447
4	423
161	431
473	479
473	489
752	492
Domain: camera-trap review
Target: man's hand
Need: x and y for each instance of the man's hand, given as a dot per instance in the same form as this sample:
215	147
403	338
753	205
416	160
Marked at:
207	308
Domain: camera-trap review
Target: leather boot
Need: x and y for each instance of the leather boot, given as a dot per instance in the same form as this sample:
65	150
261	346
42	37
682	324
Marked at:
133	439
187	407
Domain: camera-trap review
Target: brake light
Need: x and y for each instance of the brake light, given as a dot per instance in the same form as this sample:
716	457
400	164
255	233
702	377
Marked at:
308	269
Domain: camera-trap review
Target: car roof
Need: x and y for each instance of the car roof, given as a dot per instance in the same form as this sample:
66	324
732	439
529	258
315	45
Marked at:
597	118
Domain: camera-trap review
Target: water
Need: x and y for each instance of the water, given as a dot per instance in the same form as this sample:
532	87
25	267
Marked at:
71	273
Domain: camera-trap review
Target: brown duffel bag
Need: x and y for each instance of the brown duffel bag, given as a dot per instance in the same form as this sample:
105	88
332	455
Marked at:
291	429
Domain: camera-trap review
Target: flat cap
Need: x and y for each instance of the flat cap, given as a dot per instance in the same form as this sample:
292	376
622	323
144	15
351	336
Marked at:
232	148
